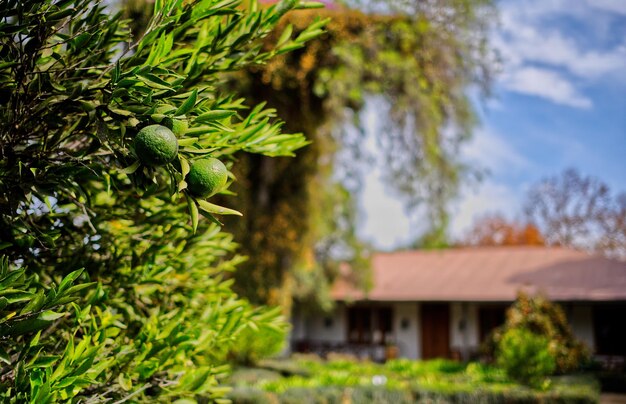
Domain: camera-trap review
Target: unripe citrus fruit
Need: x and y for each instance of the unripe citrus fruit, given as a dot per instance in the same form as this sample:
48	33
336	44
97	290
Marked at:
206	176
176	125
156	145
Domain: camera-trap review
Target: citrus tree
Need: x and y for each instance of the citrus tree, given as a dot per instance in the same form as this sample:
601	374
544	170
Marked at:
111	145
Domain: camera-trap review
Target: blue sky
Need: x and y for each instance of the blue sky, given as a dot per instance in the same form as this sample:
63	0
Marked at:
559	102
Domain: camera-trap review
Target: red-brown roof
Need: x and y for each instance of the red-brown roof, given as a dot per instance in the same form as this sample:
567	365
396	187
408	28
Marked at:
490	274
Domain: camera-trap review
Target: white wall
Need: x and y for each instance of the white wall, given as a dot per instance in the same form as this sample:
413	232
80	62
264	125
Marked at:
317	330
464	332
407	339
298	325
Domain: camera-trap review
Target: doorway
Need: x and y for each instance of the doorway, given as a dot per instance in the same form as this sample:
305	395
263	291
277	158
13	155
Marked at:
435	330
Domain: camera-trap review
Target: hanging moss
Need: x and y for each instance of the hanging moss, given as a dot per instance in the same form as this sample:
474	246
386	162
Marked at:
300	220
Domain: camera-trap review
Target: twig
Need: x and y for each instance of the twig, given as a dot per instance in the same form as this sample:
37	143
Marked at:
134	393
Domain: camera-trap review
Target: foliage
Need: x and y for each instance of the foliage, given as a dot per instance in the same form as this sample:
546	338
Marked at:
408	381
525	356
254	344
111	287
579	211
543	318
496	230
417	65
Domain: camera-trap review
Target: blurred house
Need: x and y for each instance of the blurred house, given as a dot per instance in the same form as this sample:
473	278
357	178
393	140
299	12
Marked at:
444	303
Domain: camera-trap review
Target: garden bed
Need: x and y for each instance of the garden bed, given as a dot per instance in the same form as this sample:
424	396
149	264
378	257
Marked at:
309	380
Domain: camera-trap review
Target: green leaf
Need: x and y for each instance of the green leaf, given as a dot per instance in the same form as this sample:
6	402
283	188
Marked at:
147	368
187	141
132	168
218	210
309	4
76	288
35	340
28	324
214	115
35	304
43	362
184	165
121	112
116	72
68	280
4	65
60	15
4	356
155	82
193	212
212	218
288	47
125	382
50	315
308	35
10	279
285	36
185	401
188	104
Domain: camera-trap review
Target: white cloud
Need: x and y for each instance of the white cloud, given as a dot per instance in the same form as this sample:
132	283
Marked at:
547	84
382	218
525	43
488	150
527	38
384	222
491	151
488	197
614	6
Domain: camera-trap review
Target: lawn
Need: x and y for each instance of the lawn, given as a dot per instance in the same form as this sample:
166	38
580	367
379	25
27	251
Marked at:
310	380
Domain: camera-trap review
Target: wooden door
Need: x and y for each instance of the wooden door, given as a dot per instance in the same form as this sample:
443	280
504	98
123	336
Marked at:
435	330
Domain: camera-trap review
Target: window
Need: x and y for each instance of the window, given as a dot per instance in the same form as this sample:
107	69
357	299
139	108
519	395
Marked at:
490	317
370	325
610	329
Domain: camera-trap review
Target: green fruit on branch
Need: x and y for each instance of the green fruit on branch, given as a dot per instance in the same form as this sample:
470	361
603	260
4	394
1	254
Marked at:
206	177
156	145
176	125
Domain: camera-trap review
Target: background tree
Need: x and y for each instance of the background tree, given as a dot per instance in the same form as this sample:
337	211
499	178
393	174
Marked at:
419	64
612	240
495	230
578	211
111	287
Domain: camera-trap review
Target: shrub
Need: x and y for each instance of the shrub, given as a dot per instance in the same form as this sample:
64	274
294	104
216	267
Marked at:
255	344
249	395
525	356
542	317
250	376
380	395
416	381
